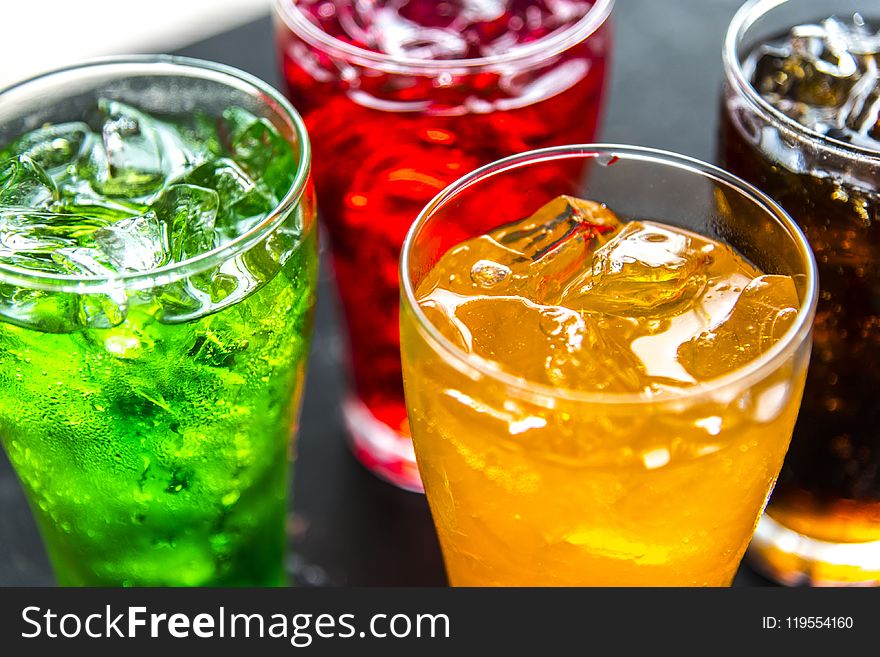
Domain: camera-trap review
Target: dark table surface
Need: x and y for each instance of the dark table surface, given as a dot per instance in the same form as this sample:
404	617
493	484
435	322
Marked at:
347	527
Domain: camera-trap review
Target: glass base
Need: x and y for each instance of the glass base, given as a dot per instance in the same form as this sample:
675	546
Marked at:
383	451
793	559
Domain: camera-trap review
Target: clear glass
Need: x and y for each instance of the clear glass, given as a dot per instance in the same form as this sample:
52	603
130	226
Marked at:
154	449
822	525
535	485
390	132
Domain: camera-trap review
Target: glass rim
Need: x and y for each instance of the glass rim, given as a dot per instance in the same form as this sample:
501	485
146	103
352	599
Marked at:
752	371
176	270
741	22
539	50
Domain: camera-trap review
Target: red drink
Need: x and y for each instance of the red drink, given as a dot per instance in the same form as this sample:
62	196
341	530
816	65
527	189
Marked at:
401	98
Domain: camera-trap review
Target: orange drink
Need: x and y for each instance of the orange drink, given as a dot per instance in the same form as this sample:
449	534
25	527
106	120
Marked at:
601	392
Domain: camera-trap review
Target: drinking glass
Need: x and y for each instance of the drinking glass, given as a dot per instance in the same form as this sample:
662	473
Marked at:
531	484
149	415
822	525
392	130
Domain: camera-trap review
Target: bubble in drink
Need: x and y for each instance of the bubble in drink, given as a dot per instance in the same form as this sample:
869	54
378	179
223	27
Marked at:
486	273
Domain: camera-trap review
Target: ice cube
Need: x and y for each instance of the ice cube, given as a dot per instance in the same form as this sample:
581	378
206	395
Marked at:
547	344
825	48
102	310
764	311
203	134
181	301
643	269
34	231
259	148
218	348
82	260
94	310
208	292
52	146
852	37
62	312
797	87
536	256
590	354
135	244
555	225
394	34
34	261
89	205
24	184
470	266
241	198
825	76
190	214
180	153
810	75
48	312
130	162
861	111
503	329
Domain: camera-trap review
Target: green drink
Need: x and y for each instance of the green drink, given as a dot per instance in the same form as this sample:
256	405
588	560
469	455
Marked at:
157	277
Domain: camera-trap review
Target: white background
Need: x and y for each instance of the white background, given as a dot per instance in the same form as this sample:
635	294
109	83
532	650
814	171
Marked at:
41	34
